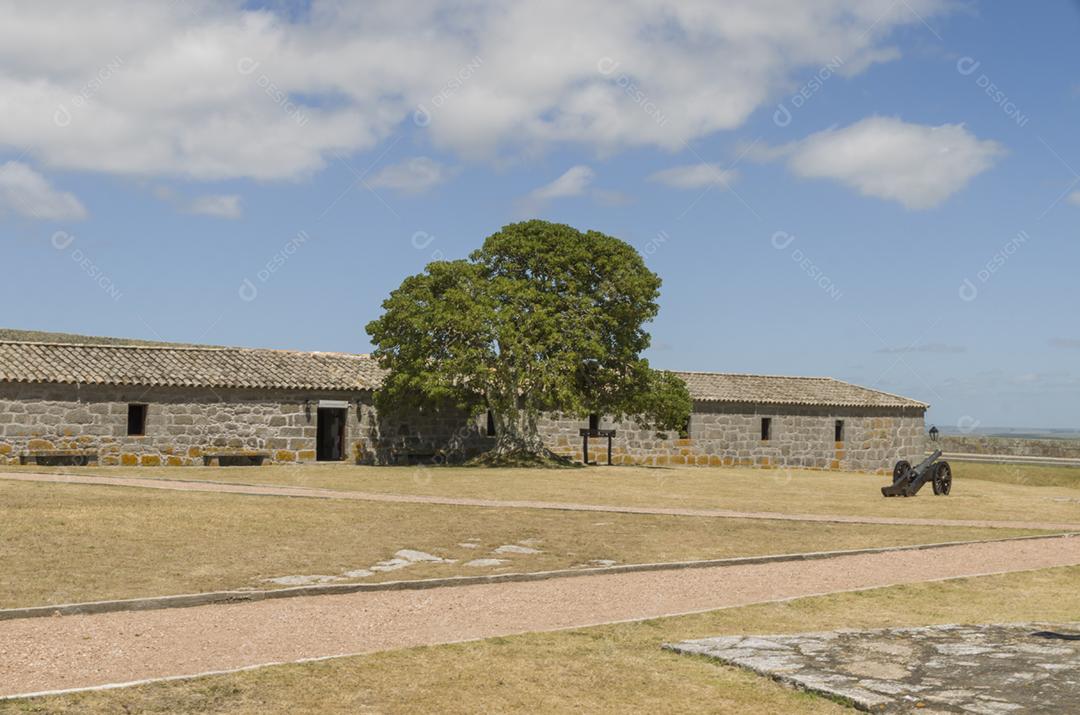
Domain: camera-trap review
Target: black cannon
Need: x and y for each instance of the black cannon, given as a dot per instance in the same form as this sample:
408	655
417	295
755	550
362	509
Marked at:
908	480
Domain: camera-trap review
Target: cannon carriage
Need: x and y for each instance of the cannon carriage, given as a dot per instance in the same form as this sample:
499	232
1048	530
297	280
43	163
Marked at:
908	480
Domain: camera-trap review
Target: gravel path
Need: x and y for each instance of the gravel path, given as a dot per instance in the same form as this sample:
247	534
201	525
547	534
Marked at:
43	654
287	491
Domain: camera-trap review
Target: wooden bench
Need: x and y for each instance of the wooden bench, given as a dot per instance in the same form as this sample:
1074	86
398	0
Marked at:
59	457
234	458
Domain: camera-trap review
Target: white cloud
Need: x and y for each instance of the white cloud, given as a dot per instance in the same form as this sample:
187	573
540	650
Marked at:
212	90
217	205
27	193
915	164
573	182
412	176
1074	198
608	197
695	176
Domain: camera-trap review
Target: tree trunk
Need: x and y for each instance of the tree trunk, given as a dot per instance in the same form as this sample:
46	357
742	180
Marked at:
516	433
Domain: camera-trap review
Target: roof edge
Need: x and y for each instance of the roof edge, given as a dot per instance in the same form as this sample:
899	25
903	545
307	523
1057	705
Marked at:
187	348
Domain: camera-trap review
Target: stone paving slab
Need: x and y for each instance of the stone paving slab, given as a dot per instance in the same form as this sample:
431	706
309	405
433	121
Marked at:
987	669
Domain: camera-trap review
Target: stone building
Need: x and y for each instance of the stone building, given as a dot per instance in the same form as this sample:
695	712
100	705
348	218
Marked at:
768	421
176	405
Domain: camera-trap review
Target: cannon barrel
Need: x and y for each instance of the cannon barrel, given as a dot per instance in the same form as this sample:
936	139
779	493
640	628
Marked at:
908	480
928	461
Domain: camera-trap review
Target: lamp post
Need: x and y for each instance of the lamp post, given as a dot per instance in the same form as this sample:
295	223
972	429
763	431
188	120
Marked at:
934	433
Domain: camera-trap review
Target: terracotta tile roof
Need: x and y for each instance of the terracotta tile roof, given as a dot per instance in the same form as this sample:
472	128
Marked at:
195	366
781	390
167	366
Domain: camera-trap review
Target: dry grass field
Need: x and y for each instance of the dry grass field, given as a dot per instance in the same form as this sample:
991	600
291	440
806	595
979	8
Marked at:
606	669
980	491
62	543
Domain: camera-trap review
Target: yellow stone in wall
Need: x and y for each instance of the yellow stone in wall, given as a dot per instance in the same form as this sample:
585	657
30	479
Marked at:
150	460
39	444
129	460
5	449
284	455
174	461
309	454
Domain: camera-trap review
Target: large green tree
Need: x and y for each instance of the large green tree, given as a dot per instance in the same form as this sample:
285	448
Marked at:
541	318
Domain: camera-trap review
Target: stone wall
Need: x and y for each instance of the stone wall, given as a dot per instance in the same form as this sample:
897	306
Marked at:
183	424
426	436
978	444
730	435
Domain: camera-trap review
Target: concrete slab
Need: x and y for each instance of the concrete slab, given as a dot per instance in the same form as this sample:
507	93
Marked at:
993	669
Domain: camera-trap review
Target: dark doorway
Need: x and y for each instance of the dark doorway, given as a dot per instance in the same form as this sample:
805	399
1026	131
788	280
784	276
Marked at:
136	423
330	443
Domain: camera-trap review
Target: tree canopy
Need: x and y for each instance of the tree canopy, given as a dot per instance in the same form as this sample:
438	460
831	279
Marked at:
541	318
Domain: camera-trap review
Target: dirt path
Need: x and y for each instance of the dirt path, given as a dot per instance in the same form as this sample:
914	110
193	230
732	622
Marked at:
43	654
287	491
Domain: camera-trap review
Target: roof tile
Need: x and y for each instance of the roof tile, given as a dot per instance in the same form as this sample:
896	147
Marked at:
183	366
154	366
784	390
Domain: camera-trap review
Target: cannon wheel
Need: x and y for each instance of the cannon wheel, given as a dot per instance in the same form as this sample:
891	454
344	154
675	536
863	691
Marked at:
902	467
942	479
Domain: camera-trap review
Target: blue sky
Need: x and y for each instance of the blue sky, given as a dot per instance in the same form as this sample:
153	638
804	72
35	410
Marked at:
260	175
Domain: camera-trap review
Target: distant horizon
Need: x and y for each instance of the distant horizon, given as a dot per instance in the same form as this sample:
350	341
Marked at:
1004	431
